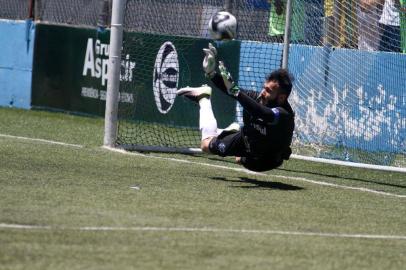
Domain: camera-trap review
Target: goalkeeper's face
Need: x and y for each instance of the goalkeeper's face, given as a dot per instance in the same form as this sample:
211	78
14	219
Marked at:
270	92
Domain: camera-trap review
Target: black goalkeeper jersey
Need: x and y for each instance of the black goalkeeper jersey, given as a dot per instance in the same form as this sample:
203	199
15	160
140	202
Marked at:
267	128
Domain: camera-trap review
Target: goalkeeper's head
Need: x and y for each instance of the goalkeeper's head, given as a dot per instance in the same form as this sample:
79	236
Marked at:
277	87
284	80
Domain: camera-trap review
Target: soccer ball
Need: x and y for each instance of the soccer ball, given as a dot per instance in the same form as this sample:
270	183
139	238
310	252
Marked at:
223	25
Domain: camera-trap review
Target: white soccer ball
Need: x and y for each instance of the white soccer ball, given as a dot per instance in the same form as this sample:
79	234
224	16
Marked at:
223	25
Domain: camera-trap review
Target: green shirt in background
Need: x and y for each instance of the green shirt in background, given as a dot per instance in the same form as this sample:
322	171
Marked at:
277	22
402	13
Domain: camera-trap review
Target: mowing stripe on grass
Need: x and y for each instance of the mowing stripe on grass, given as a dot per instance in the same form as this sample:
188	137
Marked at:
215	166
206	230
263	174
41	140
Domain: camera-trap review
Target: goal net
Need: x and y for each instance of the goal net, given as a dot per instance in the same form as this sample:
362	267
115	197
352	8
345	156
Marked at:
349	89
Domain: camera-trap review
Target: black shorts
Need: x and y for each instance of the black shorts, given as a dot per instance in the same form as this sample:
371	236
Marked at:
231	143
228	143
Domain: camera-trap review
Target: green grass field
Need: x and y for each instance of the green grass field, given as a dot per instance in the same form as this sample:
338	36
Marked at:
79	206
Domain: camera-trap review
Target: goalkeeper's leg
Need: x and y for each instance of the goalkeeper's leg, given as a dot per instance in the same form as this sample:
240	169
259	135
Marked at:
207	121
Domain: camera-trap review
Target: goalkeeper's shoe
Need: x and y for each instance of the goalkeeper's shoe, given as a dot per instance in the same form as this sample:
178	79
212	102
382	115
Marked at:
195	93
233	127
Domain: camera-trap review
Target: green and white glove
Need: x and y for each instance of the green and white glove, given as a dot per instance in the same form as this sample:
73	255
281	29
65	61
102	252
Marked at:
232	87
209	61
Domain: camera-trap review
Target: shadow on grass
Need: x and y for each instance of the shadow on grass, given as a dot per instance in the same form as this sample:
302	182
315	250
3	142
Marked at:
258	184
330	175
343	177
325	175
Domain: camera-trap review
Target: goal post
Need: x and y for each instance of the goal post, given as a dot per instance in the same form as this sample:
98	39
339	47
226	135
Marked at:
286	37
113	83
348	92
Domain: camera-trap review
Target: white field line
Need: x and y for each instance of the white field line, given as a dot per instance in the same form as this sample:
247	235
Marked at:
262	174
41	140
214	166
206	230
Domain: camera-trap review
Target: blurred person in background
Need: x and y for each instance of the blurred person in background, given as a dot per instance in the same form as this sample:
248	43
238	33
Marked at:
390	25
369	32
329	23
345	16
313	23
341	23
277	21
402	13
307	21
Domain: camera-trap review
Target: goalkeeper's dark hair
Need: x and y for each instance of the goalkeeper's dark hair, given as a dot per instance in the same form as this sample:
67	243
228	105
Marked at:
284	79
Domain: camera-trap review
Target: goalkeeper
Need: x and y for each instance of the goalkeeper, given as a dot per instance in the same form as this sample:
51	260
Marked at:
263	143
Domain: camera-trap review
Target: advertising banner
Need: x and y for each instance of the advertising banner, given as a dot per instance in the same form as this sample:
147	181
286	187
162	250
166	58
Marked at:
70	73
70	69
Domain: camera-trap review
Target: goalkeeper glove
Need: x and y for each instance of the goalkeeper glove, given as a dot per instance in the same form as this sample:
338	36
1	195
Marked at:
231	86
209	61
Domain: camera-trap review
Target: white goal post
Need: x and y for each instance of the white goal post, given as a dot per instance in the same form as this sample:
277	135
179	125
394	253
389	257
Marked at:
113	84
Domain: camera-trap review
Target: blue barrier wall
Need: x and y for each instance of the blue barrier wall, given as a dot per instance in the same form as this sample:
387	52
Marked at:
342	97
16	58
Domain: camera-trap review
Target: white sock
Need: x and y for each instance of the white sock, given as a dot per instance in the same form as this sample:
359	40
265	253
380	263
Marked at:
207	121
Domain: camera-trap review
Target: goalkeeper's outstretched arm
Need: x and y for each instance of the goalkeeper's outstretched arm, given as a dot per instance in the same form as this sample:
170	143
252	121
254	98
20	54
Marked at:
247	99
224	82
217	80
